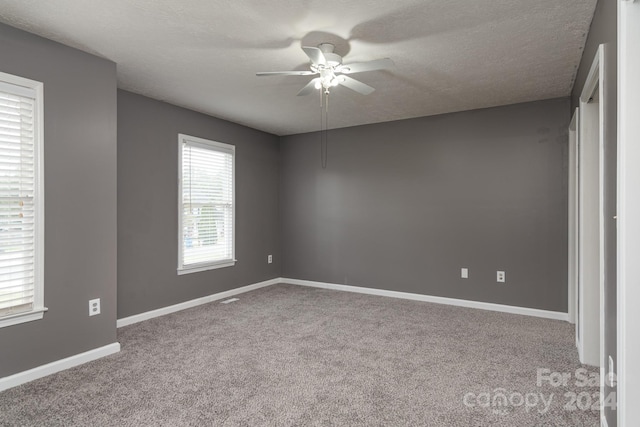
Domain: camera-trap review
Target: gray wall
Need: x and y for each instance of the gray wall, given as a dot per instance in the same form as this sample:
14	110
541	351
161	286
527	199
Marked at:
148	205
604	29
404	205
80	201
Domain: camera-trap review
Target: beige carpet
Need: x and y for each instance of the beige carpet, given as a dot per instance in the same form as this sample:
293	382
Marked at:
288	355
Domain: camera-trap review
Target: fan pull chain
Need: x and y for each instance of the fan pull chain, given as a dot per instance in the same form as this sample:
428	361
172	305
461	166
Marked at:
326	105
326	131
321	134
324	134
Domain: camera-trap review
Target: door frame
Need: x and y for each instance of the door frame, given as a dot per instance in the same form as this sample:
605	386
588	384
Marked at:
591	156
628	268
573	234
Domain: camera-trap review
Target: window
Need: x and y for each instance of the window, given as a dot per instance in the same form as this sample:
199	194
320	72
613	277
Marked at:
206	213
21	200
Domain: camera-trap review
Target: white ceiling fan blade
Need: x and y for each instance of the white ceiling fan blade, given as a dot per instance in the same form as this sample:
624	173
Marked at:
286	73
315	55
359	67
309	88
355	85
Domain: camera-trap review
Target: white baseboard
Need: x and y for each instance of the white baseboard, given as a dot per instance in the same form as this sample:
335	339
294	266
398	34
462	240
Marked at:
555	315
57	366
125	321
79	359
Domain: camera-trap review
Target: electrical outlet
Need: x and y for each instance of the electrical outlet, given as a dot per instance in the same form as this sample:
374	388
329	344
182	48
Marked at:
94	307
269	259
464	273
501	276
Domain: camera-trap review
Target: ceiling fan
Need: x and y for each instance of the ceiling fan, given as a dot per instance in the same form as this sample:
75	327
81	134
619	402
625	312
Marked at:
332	72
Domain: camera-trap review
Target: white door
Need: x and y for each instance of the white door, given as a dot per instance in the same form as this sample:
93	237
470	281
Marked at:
628	213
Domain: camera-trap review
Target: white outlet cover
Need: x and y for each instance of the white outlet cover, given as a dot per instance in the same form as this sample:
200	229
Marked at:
270	259
501	276
464	273
94	307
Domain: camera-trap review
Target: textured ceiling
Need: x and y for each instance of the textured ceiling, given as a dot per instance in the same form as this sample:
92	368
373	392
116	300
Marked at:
450	55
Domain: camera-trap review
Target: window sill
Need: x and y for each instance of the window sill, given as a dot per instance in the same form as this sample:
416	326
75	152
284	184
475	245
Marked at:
197	268
18	318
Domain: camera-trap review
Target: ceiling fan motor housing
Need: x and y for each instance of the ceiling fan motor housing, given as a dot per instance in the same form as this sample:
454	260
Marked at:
333	59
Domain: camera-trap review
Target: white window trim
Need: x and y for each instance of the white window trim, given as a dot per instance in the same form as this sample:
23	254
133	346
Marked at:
38	303
209	265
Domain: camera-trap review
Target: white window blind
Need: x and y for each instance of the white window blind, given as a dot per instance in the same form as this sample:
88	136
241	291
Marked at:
20	205
206	211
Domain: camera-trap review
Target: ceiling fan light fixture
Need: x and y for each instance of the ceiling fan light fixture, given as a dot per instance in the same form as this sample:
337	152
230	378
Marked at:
329	66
